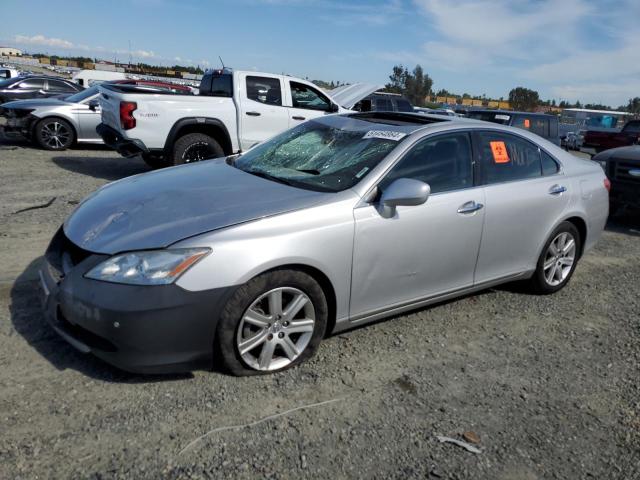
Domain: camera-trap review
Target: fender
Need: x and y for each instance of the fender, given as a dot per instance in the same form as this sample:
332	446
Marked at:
183	122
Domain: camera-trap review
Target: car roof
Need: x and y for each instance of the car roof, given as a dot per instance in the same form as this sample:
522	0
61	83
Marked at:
508	112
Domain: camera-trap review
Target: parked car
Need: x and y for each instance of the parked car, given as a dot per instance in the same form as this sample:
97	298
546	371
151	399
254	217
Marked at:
234	111
539	123
335	223
57	123
35	86
622	166
573	140
604	140
6	73
383	102
435	111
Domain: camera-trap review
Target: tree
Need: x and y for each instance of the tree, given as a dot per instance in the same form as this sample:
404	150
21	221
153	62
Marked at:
523	99
443	92
633	106
398	79
417	86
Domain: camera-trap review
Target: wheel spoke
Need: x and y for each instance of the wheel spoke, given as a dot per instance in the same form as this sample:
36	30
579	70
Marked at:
275	303
568	246
252	342
553	249
548	264
566	261
289	348
300	326
266	355
294	307
552	273
558	273
256	318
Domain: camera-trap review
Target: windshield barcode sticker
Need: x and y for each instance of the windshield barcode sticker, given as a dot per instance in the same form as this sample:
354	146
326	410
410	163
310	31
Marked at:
385	135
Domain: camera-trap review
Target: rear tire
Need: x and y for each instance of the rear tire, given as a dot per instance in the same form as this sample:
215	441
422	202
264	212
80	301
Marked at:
195	147
558	260
54	134
259	334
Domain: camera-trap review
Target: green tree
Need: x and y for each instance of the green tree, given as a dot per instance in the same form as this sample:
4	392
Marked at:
414	85
398	80
524	99
633	106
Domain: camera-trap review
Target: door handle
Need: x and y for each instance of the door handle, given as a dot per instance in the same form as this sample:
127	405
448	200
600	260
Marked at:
470	207
253	114
298	118
557	189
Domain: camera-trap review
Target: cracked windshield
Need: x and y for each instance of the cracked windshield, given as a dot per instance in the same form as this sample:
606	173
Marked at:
317	157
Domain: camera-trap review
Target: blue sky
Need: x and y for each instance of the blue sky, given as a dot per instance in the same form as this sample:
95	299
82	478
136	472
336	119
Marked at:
566	49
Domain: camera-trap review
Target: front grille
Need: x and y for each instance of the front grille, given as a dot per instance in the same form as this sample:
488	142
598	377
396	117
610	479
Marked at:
63	254
619	171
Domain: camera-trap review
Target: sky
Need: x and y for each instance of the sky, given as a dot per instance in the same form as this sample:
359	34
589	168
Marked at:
587	50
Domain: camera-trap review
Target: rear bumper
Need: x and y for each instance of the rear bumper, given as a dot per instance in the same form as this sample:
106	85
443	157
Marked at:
140	329
127	147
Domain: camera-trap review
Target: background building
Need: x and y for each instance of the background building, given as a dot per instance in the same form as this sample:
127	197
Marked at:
9	52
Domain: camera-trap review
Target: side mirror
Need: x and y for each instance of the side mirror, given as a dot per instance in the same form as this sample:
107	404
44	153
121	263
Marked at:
94	105
404	191
333	108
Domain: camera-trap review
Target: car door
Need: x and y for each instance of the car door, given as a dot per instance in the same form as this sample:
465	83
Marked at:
525	195
58	87
262	114
306	103
89	116
425	250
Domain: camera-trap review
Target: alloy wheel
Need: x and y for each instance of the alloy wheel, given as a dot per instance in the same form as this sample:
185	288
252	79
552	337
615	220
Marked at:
559	259
275	329
196	152
55	135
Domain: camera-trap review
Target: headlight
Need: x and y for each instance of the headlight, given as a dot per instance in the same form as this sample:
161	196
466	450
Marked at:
155	267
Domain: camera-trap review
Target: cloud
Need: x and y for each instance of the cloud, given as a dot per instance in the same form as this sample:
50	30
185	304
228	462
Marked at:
44	41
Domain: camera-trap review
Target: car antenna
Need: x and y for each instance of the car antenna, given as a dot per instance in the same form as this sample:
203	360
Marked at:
223	67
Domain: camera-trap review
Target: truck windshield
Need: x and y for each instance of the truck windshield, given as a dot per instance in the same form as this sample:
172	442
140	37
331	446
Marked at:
319	157
82	95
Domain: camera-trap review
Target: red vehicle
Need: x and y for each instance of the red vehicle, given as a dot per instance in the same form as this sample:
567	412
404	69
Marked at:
172	87
600	141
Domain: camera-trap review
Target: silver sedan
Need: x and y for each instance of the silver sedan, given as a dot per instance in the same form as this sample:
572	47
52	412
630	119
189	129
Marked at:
249	261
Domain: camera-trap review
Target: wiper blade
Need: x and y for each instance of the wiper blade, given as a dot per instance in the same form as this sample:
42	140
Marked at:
311	171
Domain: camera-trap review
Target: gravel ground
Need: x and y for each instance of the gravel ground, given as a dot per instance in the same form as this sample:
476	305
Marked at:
550	385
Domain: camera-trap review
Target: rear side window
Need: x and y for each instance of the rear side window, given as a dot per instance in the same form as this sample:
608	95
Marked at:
264	90
537	125
58	86
403	105
217	85
383	105
549	165
632	127
505	158
444	162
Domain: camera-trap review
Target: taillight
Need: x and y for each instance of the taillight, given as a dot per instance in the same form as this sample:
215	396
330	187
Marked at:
607	184
127	122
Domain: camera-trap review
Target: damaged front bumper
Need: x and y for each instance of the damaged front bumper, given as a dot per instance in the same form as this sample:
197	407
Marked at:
16	123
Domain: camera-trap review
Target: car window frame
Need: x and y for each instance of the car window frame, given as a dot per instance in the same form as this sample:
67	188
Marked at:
480	166
18	84
70	87
474	171
278	79
316	90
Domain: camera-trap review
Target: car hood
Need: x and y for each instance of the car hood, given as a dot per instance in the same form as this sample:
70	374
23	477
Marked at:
36	103
156	209
348	95
621	153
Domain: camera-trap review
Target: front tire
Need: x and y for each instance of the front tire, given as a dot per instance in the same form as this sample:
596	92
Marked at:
54	134
272	323
195	147
558	260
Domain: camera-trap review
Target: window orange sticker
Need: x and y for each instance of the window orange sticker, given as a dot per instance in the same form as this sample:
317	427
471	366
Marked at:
527	123
499	150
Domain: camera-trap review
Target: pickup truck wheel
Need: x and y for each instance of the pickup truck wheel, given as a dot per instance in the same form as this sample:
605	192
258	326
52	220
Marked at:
194	147
54	134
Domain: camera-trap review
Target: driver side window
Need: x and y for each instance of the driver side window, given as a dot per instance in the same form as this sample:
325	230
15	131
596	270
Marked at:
303	96
444	162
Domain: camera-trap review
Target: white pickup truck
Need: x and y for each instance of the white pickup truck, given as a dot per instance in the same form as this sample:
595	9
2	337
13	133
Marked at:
233	111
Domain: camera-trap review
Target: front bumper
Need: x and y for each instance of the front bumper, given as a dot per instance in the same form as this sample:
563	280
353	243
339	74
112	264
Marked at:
141	329
127	147
16	126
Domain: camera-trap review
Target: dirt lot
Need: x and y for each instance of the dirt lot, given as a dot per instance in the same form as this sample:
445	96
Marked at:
551	385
